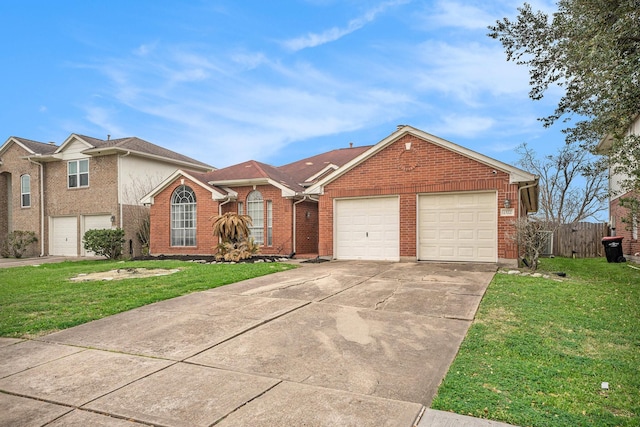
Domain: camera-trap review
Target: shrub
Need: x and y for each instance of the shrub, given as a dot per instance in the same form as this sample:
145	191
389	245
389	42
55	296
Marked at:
20	240
107	243
233	231
531	236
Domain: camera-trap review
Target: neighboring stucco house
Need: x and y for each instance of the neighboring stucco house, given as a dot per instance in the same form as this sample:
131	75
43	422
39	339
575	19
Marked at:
628	230
59	192
412	196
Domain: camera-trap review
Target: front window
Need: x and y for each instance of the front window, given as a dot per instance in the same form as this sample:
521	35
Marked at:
240	208
255	209
269	223
78	173
183	217
25	191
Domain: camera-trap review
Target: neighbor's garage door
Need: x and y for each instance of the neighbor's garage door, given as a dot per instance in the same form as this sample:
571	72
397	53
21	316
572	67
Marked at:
367	229
458	227
64	236
94	222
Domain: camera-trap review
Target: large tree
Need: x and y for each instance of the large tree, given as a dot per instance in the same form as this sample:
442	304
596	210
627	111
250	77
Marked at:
589	48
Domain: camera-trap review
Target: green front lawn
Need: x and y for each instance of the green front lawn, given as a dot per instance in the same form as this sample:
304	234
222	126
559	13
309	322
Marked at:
540	349
37	300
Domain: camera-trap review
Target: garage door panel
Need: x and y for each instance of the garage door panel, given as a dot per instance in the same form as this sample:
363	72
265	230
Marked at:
457	227
64	236
367	228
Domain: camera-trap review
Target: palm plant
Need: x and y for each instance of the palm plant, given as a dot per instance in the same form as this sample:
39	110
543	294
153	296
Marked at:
233	232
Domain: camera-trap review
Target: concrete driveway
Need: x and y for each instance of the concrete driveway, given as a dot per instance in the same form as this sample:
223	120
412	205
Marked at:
331	344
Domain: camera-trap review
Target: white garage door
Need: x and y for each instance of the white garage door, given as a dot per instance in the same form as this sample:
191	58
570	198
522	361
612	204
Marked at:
458	227
94	222
367	229
64	236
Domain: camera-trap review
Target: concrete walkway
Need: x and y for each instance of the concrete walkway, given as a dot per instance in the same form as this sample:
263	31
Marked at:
331	344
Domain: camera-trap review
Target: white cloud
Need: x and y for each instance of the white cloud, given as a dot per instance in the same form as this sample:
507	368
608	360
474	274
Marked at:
335	33
463	125
454	14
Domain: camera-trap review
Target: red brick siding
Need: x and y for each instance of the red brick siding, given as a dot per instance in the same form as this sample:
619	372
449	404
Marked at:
426	168
160	217
630	246
282	211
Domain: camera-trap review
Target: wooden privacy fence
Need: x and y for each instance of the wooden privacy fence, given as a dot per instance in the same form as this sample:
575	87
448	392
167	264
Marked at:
580	240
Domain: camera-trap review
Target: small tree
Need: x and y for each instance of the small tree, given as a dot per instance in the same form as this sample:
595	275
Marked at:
107	243
531	235
233	232
20	240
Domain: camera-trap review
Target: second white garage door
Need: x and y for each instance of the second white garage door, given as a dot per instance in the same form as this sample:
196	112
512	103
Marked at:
367	229
458	227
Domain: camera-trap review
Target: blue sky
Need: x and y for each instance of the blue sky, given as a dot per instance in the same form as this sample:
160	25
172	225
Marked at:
227	81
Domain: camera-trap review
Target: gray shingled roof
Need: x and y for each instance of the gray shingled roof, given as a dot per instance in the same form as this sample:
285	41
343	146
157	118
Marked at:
37	147
141	146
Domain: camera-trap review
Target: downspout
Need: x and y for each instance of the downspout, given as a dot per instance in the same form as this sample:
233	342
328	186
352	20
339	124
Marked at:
294	220
120	189
226	200
41	185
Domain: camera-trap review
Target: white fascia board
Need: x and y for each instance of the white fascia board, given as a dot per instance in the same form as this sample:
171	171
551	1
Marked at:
149	198
67	141
322	172
286	191
113	150
14	141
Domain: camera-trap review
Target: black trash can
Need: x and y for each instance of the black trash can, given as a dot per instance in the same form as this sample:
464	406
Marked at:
613	249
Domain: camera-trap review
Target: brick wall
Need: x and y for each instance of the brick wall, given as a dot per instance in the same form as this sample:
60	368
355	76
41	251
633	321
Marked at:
630	246
282	210
100	197
425	168
12	215
160	217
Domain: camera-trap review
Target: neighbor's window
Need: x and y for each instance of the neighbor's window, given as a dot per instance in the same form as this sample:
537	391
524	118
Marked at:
269	223
183	217
25	191
78	173
255	209
634	227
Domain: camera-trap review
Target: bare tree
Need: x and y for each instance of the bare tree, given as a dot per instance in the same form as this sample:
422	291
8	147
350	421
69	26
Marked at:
138	215
532	236
573	183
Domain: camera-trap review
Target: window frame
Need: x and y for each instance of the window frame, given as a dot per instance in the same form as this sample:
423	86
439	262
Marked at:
255	210
77	174
24	193
183	212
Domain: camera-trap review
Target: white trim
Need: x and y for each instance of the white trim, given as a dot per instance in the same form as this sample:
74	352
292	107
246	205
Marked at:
286	191
115	150
15	141
68	141
515	175
149	198
321	172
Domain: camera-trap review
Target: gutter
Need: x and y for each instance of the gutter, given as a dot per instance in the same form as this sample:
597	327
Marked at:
41	205
227	199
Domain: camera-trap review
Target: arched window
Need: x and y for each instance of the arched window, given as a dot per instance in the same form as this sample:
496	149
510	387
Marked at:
183	217
255	209
25	191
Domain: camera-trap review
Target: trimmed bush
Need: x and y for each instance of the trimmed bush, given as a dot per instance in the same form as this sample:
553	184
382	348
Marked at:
107	243
20	240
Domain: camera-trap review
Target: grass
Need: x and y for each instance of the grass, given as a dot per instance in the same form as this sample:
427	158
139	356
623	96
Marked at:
37	300
539	349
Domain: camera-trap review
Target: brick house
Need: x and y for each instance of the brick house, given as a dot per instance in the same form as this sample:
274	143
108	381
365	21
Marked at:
285	220
412	196
628	230
59	192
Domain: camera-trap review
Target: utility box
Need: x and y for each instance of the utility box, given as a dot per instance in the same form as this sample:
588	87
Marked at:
613	249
